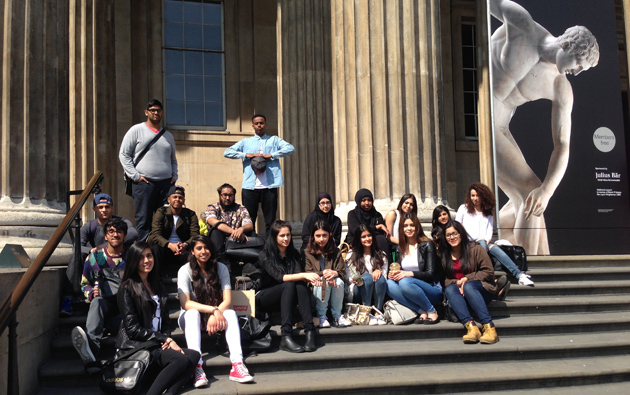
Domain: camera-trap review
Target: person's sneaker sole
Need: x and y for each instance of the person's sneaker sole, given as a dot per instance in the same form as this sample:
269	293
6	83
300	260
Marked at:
80	343
242	380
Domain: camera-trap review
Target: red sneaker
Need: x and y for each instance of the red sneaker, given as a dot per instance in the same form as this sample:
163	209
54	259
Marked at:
240	373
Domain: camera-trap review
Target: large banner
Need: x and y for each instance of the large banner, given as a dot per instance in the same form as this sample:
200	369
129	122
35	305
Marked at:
558	128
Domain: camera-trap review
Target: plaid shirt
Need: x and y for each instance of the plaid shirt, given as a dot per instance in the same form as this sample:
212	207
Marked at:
234	219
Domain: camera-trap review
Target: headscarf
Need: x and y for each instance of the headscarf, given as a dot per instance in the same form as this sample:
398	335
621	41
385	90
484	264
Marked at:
319	214
366	217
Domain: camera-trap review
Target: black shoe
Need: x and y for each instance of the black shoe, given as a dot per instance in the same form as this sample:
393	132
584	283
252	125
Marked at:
503	286
309	345
288	344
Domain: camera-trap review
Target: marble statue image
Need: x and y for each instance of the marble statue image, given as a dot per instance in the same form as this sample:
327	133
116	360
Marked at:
528	63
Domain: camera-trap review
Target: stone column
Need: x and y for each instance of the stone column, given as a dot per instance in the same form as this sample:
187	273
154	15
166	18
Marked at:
486	144
34	123
92	97
305	103
387	102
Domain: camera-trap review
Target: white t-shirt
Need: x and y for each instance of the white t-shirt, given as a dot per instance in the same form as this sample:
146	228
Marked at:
157	318
185	282
174	238
477	225
410	261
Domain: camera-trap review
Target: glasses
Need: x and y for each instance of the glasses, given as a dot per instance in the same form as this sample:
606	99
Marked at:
452	235
114	232
227	195
154	110
325	204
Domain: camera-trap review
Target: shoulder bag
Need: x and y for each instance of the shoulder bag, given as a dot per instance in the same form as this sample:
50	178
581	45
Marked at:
398	314
123	375
129	181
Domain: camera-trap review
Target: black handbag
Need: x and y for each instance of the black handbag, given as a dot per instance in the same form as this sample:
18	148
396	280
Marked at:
123	375
449	313
129	181
255	336
109	280
516	253
246	250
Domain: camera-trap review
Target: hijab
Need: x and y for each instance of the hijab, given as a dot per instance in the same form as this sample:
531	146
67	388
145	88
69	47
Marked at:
319	214
366	217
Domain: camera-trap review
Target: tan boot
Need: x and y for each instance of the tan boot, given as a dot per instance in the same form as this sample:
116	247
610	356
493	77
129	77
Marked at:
473	334
489	334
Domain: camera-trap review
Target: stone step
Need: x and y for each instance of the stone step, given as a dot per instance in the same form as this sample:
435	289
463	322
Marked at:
553	376
600	273
564	288
563	261
564	304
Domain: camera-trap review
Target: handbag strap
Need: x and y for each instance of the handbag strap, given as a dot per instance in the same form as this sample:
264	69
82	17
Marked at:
148	147
143	346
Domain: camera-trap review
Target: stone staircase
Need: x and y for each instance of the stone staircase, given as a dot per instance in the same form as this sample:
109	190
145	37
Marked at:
569	333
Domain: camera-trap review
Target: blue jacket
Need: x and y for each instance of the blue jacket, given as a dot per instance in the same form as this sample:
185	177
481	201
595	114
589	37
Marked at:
273	145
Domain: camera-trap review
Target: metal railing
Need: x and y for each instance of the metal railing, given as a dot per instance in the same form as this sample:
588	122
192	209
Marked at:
9	308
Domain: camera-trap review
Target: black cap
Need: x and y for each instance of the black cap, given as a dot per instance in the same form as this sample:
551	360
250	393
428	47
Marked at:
177	189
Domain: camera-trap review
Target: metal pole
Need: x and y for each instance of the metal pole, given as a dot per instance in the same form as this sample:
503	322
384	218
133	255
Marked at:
13	381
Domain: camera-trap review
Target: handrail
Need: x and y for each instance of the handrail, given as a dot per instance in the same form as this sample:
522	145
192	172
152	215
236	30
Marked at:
10	306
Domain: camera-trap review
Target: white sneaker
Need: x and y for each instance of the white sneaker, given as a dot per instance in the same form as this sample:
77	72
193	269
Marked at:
323	322
200	378
373	320
380	320
524	279
342	322
80	343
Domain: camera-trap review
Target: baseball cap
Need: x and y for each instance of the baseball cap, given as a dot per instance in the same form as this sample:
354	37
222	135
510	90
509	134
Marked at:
103	198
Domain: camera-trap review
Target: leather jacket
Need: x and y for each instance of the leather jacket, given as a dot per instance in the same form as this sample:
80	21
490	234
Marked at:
429	269
136	324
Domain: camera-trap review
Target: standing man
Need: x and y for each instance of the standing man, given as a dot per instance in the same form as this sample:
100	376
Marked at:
154	174
261	169
528	64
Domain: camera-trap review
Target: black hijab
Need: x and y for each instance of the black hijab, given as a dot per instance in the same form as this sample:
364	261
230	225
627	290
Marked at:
319	214
366	217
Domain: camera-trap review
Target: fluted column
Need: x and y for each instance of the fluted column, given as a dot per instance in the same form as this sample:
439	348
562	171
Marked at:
34	123
305	103
386	99
92	96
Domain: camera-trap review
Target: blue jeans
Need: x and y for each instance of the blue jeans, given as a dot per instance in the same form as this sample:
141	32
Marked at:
475	297
502	257
418	295
369	288
334	295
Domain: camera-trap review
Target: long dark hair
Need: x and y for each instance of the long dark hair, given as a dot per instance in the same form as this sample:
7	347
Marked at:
131	279
486	197
206	287
437	227
357	259
402	239
272	255
313	248
446	249
405	197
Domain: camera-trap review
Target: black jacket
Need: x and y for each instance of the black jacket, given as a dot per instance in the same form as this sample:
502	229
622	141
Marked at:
429	269
136	322
187	226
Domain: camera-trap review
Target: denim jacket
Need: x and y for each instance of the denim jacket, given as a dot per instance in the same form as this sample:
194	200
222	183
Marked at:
273	145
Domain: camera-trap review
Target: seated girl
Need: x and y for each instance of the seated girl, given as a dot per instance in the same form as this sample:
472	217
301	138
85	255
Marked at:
142	304
417	283
283	286
441	217
324	211
205	297
370	263
323	258
476	216
469	282
407	204
365	213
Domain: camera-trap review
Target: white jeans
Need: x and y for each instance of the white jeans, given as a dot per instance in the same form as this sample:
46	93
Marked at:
190	322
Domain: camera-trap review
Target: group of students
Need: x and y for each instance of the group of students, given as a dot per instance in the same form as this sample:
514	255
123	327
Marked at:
453	263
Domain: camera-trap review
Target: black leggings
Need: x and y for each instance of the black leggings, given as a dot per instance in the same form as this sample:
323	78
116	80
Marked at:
174	369
283	297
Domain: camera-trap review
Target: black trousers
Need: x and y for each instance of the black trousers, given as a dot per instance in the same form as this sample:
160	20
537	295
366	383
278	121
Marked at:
284	297
174	370
267	198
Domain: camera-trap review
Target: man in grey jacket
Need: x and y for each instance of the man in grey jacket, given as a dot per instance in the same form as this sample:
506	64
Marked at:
155	173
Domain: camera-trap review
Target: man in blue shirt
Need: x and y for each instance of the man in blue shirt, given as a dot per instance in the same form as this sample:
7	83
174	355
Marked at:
262	179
